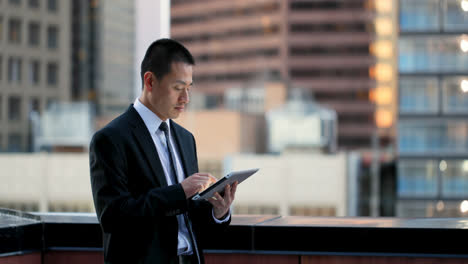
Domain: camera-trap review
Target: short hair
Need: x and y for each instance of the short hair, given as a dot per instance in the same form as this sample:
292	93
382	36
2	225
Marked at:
161	54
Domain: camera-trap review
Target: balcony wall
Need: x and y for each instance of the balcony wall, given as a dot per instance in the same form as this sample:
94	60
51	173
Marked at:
76	238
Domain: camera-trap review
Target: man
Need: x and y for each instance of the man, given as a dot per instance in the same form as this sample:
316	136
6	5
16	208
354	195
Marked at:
144	170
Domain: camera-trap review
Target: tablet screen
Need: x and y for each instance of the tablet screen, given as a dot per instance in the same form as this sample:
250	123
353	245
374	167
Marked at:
218	186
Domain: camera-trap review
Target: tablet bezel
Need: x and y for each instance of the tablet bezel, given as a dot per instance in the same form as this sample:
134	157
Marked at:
230	178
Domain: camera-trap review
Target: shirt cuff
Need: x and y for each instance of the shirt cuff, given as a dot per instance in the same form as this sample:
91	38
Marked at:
224	220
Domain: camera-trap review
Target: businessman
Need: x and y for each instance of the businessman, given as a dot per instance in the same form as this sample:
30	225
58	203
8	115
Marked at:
144	170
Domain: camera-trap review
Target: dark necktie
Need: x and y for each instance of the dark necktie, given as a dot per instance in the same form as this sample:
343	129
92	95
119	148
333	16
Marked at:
165	129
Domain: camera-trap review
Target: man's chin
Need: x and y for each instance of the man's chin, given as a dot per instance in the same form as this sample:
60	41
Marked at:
175	115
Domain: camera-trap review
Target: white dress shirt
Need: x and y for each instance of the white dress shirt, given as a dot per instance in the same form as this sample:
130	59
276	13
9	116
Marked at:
152	122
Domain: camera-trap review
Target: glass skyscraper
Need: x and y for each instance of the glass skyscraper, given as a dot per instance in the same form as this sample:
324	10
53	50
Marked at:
433	108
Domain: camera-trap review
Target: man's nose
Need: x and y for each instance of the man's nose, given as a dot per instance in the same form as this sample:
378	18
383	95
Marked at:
185	96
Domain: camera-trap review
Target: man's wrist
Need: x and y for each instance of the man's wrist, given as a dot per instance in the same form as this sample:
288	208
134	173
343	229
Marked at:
223	219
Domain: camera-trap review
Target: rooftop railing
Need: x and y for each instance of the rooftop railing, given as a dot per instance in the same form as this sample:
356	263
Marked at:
49	238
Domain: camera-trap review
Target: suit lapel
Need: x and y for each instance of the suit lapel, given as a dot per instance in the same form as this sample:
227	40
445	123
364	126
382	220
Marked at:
182	151
145	141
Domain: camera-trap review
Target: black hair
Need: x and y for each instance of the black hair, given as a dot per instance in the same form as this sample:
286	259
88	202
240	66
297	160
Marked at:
161	54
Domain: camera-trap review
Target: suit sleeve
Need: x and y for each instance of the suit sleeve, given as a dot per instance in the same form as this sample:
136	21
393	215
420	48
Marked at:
202	211
116	207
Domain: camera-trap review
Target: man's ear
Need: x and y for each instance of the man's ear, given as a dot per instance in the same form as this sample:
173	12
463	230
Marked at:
149	81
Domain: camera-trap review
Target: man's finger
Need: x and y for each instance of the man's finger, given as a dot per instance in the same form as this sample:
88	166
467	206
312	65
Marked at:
227	193
219	198
233	190
207	176
213	179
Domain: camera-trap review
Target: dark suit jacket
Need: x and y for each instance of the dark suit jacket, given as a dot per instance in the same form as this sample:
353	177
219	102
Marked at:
135	206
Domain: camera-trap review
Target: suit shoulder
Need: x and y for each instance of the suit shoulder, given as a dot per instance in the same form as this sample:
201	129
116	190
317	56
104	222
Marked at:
115	128
181	129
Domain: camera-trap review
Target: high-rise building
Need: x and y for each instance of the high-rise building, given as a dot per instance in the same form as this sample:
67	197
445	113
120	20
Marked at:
103	47
34	64
320	46
433	108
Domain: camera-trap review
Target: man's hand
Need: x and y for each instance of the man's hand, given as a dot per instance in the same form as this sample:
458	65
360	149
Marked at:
196	183
221	204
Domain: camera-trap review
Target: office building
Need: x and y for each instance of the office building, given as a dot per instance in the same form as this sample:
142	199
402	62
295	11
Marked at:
433	108
34	65
103	47
320	46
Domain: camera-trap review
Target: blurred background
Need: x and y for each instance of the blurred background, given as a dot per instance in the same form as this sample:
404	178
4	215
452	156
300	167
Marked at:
348	107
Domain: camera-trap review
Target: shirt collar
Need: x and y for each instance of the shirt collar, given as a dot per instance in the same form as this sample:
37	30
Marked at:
151	120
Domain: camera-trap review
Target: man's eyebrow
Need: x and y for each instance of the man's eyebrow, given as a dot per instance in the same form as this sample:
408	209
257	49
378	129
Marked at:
184	83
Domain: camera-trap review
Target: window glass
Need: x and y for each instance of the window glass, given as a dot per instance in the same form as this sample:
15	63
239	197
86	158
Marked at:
34	105
434	54
52	5
14	2
52	37
1	68
14	108
419	95
455	15
52	74
455	178
34	72
455	101
434	137
419	15
14	69
34	34
1	28
34	3
14	30
417	178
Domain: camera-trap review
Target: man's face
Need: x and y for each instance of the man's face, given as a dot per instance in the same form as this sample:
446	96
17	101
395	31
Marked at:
170	95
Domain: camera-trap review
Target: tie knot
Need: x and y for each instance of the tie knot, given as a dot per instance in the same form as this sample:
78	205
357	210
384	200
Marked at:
164	127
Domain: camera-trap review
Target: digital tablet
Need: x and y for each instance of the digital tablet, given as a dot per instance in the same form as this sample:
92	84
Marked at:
218	186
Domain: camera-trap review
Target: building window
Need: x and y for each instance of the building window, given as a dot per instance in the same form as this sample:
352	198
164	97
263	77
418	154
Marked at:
417	178
14	30
35	105
434	137
419	95
432	54
419	15
14	108
455	101
52	37
455	17
14	142
1	28
14	69
52	5
34	3
14	2
1	68
50	102
454	178
52	74
34	72
34	33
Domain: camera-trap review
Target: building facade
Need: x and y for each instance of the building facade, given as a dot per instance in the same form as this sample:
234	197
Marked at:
433	108
103	51
322	47
34	65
